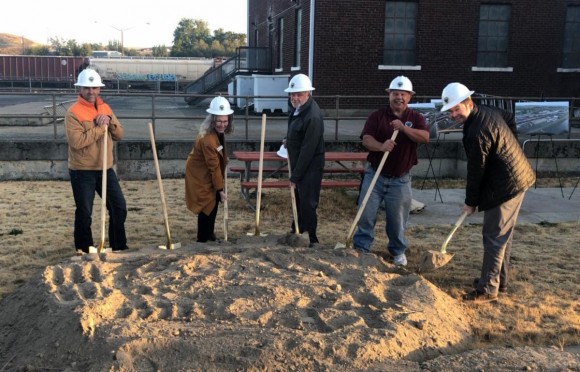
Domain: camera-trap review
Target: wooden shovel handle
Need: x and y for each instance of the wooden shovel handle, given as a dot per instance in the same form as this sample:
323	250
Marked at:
455	227
160	182
368	193
226	211
293	199
260	171
105	140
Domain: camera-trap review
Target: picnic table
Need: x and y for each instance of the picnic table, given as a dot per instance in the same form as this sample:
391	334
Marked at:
347	164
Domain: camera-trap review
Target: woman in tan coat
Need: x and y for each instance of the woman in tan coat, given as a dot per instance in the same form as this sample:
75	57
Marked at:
205	168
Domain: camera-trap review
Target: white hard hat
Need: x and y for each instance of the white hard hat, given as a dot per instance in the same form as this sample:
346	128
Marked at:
219	106
89	78
283	153
453	94
299	83
401	83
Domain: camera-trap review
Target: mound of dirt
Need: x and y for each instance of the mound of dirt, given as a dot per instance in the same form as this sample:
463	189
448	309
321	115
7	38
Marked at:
249	305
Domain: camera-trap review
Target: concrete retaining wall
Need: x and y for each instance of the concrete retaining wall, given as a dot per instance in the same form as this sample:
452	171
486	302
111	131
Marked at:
47	160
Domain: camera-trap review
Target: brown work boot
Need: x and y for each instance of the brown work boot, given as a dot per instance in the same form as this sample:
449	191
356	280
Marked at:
502	288
479	297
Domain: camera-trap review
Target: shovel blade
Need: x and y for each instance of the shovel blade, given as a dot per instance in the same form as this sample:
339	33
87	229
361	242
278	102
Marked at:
340	246
433	260
170	245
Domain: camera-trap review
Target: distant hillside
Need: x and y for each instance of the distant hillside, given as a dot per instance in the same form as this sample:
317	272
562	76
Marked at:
13	44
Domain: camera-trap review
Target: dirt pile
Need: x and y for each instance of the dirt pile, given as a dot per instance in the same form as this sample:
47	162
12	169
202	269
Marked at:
252	304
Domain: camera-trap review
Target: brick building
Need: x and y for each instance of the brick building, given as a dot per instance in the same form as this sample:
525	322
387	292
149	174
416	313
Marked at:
516	48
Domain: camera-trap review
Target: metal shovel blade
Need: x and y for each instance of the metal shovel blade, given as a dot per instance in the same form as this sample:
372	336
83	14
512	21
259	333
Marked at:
170	245
432	260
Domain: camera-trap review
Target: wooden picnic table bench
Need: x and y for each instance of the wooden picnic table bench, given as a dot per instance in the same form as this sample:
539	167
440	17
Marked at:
345	163
279	184
271	171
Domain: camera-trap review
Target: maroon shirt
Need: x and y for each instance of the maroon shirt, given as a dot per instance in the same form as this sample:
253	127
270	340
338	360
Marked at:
404	155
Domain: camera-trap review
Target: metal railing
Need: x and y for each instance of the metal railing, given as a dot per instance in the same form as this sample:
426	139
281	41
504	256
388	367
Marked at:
344	115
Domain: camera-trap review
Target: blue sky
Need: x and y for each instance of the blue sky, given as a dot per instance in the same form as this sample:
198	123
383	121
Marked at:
100	21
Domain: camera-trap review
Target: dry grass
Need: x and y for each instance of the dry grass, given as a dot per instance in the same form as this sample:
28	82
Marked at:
542	307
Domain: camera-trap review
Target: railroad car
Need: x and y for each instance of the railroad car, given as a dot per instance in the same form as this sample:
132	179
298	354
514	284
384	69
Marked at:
59	71
20	68
150	69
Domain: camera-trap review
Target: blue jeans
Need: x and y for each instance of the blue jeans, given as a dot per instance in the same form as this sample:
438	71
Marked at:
84	185
396	194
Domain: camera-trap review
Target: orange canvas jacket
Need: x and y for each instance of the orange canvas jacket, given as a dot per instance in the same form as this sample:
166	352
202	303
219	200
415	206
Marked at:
204	173
85	138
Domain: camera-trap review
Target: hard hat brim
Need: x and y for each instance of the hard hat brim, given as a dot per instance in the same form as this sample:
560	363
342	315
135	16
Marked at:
89	86
290	90
457	101
225	112
403	90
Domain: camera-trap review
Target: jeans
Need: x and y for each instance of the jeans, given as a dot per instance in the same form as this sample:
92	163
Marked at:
84	185
395	193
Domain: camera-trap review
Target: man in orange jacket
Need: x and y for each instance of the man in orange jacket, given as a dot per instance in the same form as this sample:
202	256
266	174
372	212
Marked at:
88	123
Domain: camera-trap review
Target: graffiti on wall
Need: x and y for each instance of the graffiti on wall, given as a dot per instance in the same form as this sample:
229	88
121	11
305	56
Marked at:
146	77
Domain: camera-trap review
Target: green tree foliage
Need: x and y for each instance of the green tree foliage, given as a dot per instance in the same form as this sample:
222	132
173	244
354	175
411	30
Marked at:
192	38
160	51
38	50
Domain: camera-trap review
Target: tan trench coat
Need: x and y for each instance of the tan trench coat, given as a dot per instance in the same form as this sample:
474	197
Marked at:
204	173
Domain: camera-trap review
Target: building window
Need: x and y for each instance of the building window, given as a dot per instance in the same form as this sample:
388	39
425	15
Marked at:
298	38
571	55
400	26
492	46
280	43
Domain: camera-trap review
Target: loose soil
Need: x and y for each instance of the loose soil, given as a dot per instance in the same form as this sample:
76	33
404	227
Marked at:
264	303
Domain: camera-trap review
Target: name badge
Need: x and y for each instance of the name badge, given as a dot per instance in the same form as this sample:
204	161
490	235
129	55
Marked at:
220	148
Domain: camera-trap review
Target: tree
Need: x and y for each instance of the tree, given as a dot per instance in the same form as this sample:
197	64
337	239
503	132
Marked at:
160	51
187	35
192	38
38	50
114	45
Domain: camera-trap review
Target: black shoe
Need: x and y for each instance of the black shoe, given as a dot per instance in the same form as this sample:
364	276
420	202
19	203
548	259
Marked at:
120	249
479	297
502	289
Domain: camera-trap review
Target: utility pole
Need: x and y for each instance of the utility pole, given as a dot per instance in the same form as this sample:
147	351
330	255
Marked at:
122	30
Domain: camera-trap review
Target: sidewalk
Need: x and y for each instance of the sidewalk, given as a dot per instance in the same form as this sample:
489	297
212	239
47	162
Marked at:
540	205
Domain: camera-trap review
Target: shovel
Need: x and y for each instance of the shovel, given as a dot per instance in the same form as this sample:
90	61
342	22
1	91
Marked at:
226	212
293	198
260	171
365	200
101	246
433	260
292	190
170	244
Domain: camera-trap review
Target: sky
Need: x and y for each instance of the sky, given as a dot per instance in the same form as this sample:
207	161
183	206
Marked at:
143	23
